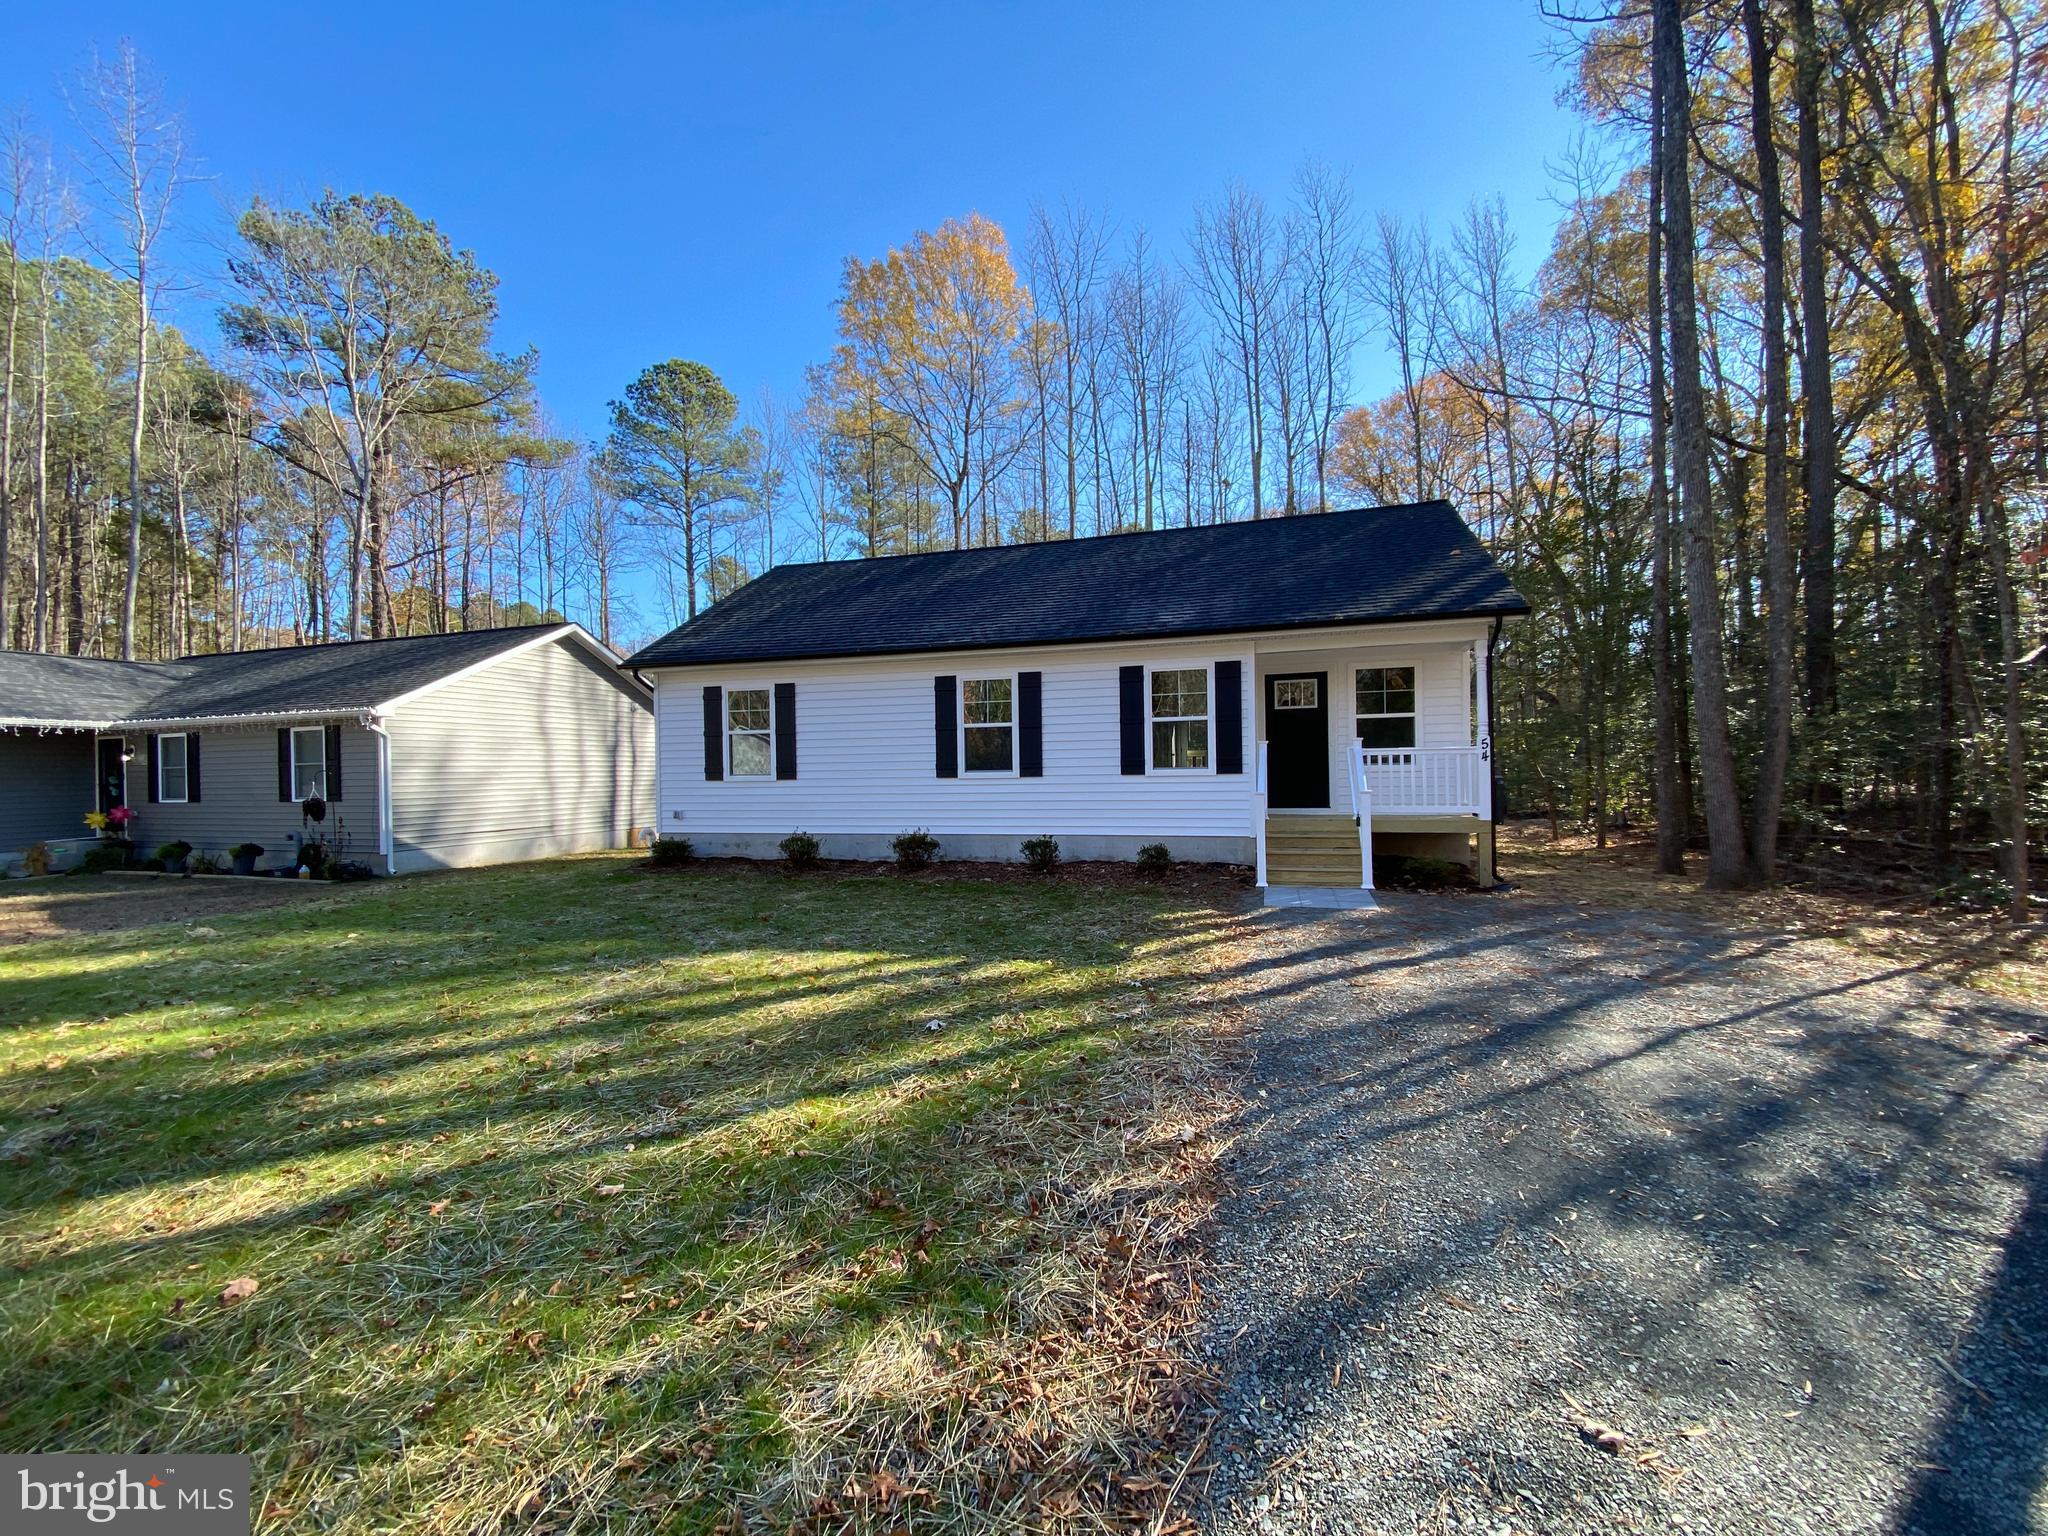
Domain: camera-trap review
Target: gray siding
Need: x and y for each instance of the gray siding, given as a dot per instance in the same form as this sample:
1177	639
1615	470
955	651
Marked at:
546	752
46	786
239	804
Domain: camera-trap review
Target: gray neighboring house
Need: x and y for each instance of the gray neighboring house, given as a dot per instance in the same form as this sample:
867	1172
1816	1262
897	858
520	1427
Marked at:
432	751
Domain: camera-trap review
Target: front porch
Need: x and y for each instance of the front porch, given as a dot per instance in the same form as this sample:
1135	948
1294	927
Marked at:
1366	746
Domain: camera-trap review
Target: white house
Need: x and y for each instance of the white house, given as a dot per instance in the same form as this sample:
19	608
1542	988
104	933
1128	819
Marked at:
1289	693
428	751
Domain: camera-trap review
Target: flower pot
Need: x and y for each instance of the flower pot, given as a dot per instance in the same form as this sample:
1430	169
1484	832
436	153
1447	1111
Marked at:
174	866
245	863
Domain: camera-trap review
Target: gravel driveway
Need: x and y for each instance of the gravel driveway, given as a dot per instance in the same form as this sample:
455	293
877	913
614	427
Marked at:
1520	1177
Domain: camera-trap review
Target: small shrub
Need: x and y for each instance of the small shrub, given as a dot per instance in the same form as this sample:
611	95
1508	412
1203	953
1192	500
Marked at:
915	849
799	850
152	866
36	858
106	856
313	859
1155	859
344	870
1041	853
666	852
202	864
246	851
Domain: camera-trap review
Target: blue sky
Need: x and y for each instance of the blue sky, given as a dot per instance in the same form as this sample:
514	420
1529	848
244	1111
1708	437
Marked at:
650	182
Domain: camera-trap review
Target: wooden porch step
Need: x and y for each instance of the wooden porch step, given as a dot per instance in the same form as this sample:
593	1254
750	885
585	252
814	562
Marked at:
1313	842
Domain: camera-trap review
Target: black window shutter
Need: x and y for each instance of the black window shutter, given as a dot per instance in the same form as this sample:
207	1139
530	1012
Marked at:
1031	725
945	720
785	730
1230	717
152	768
284	762
1130	690
192	767
714	731
334	762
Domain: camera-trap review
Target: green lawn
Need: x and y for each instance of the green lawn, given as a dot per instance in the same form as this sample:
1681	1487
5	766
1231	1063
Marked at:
578	1197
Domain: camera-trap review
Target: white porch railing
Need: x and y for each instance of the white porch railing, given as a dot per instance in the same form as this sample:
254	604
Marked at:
1361	811
1427	781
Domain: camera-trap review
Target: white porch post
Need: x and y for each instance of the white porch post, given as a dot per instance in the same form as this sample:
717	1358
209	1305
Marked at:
1484	719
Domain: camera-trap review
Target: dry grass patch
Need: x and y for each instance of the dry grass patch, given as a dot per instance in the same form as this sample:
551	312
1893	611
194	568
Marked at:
575	1199
1976	949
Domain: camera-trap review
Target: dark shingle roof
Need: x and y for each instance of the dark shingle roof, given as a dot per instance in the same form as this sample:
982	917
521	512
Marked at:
74	688
1360	567
337	678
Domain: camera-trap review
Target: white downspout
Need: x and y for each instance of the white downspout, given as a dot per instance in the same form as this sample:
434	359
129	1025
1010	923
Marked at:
376	728
1259	812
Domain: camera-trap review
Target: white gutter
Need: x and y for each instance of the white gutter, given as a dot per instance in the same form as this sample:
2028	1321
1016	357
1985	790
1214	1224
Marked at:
375	726
362	713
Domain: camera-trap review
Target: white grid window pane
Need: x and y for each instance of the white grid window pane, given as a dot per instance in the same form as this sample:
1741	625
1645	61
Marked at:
1180	693
309	763
986	700
170	768
747	714
1180	744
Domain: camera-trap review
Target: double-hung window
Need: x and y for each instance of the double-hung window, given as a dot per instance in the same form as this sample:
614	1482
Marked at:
748	754
172	781
1386	706
1180	717
309	762
988	724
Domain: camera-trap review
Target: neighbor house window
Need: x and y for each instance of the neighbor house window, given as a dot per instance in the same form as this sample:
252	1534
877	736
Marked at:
1180	717
988	724
1386	706
309	762
171	780
746	719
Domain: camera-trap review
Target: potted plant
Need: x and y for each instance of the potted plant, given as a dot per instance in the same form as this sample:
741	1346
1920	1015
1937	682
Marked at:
312	846
112	827
173	856
245	856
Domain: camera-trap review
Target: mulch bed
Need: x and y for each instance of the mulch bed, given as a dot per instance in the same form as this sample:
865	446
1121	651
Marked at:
1221	880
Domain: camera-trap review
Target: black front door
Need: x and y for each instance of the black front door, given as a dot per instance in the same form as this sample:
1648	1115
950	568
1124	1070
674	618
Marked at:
1298	740
113	777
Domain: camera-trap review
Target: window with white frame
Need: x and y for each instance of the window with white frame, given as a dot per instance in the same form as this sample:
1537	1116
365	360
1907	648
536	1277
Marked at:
747	722
1296	692
1180	717
1386	706
309	762
172	781
988	724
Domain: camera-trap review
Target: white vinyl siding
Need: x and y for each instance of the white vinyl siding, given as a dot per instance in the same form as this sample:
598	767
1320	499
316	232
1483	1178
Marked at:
546	752
866	752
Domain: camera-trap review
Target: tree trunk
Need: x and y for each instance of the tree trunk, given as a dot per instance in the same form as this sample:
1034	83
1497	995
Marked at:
1727	854
134	574
1816	379
7	436
1670	808
1780	565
